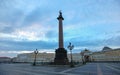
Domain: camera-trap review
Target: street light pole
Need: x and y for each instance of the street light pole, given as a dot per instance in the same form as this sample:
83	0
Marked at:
70	47
35	52
82	54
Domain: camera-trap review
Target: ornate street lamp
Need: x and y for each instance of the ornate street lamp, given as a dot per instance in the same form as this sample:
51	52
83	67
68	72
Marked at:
70	47
82	54
35	52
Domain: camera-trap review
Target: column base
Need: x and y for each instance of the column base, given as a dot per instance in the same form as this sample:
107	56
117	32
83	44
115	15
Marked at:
61	57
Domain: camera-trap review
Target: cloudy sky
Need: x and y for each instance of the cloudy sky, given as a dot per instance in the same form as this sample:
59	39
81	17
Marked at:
29	24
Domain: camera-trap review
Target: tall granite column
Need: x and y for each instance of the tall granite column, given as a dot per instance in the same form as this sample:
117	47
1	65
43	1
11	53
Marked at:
61	53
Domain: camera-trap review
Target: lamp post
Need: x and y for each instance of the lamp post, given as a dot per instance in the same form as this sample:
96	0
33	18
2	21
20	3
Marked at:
82	54
35	52
70	47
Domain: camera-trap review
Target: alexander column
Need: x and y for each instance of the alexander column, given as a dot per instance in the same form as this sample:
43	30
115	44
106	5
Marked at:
61	53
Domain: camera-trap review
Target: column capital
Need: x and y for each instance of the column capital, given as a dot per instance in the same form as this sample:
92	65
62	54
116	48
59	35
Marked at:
60	16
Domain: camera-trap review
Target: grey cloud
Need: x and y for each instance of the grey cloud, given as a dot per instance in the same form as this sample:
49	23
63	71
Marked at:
91	43
51	34
114	41
9	16
25	45
36	16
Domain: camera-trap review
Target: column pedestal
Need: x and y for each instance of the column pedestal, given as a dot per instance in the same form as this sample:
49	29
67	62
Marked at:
61	57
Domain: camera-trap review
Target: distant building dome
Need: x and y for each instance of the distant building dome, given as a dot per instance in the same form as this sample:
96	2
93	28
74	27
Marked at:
106	48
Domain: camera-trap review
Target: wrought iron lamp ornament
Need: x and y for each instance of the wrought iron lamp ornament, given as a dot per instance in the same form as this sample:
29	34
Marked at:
35	52
70	47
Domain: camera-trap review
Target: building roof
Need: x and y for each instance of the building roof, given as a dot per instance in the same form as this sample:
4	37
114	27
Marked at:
106	48
4	57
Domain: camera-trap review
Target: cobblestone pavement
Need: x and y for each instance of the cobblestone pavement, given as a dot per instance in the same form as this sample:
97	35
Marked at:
88	69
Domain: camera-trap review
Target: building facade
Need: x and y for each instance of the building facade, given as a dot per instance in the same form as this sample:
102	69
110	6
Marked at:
5	59
85	55
43	57
29	57
109	55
